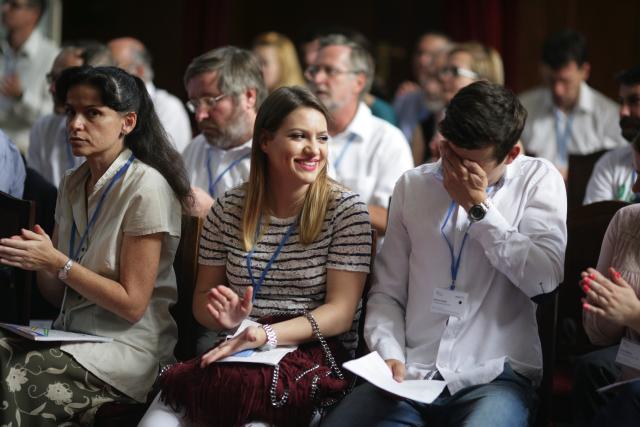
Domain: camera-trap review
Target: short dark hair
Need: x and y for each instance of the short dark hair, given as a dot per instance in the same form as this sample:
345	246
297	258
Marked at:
484	114
629	77
562	47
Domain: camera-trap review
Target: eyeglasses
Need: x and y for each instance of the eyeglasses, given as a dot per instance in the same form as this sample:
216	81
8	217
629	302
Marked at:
208	101
458	72
314	70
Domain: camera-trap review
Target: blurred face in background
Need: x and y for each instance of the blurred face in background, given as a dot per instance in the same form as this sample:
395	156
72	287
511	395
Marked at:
565	82
268	57
630	111
65	59
456	74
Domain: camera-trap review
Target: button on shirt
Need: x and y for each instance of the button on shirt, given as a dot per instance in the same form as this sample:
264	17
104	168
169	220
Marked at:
172	115
195	160
594	125
12	171
612	177
376	155
49	150
515	253
31	63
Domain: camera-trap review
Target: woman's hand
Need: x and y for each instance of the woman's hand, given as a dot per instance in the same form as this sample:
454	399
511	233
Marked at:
226	308
251	337
31	250
614	300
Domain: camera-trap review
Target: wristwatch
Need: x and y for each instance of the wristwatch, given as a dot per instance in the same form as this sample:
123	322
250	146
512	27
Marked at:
63	273
272	339
478	212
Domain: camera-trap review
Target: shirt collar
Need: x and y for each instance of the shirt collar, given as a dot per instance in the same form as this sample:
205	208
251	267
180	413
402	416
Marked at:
360	125
30	47
151	89
585	102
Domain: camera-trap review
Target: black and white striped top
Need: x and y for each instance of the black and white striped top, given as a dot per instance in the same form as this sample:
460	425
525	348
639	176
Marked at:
298	277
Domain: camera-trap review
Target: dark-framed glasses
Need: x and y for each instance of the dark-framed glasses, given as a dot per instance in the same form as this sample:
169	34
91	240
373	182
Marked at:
329	71
207	101
458	72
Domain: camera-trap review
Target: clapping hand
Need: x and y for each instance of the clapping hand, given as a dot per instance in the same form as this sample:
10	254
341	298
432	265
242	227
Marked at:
226	308
31	250
614	300
251	337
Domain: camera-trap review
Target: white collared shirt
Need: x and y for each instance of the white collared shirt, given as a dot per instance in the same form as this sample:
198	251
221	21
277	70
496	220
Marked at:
195	160
172	115
31	63
612	177
594	124
515	253
375	156
49	150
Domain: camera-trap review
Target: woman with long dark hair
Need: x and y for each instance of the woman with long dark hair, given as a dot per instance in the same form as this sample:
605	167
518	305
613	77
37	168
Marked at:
109	263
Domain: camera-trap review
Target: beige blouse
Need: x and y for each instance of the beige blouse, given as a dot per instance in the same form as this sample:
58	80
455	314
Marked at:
140	203
620	250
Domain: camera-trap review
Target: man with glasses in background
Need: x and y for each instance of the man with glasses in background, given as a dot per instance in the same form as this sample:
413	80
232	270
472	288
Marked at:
25	58
225	89
366	154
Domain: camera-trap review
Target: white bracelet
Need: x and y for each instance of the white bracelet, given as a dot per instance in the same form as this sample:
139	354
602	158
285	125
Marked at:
272	338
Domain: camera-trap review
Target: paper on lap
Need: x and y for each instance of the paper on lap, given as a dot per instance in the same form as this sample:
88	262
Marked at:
373	369
36	333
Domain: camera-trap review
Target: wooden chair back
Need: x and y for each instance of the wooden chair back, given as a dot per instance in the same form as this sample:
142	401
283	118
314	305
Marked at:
547	316
580	168
16	214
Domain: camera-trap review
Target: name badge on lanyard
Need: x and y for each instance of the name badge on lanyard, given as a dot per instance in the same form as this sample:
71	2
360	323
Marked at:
449	301
629	354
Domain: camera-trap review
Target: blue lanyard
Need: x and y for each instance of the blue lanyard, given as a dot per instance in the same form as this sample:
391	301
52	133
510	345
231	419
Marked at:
346	145
73	252
455	261
562	140
258	284
213	183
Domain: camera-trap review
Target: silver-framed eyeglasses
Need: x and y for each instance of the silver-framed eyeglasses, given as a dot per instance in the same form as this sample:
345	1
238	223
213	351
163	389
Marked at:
314	70
207	101
458	72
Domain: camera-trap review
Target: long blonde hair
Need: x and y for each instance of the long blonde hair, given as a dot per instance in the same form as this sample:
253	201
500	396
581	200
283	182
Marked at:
486	61
272	113
290	71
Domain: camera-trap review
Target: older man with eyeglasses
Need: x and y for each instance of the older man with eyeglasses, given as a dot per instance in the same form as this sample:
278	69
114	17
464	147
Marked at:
366	154
225	89
25	58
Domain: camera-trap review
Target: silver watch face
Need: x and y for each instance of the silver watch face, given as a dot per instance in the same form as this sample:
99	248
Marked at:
477	212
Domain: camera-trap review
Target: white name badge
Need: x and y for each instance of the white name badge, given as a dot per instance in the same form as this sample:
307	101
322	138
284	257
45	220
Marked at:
629	354
451	303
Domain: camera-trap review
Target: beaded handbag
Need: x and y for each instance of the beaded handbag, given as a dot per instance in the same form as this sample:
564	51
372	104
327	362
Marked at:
228	394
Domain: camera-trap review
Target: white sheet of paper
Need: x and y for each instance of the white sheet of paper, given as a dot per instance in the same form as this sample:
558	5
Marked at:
617	384
271	357
36	333
629	354
373	369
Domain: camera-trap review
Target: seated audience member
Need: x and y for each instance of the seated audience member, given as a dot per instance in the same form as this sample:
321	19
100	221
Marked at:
611	313
12	171
225	88
133	57
567	116
483	226
25	56
367	154
378	106
615	172
109	264
49	152
415	102
611	310
279	60
465	64
289	203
